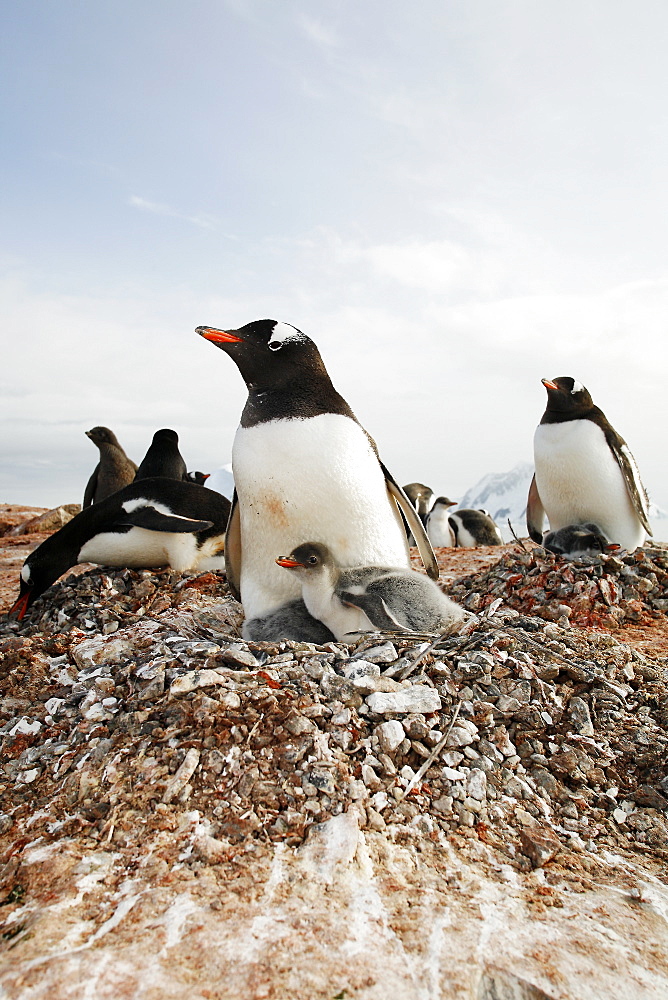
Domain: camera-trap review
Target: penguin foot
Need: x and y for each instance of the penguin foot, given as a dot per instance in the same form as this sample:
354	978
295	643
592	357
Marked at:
292	621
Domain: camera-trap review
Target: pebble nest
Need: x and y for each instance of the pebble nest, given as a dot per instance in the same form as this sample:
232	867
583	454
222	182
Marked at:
134	714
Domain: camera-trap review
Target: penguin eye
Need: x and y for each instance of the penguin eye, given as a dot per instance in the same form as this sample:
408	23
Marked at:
312	560
275	345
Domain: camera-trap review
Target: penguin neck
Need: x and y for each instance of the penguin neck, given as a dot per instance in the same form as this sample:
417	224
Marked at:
319	593
297	399
554	416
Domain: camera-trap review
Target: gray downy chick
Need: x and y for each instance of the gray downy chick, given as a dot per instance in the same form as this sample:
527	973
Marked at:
368	598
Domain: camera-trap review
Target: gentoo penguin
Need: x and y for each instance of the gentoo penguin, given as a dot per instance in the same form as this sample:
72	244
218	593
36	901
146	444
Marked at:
114	470
156	522
368	598
197	477
473	528
584	471
420	496
438	526
303	467
163	458
576	539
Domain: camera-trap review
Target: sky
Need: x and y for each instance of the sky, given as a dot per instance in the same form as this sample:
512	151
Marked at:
453	199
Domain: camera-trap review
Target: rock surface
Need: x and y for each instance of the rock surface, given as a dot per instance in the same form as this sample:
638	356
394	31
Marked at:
188	815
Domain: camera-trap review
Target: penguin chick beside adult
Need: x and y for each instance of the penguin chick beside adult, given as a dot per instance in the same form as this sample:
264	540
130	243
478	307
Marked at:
438	526
303	467
163	459
114	470
473	528
585	472
368	598
576	539
156	522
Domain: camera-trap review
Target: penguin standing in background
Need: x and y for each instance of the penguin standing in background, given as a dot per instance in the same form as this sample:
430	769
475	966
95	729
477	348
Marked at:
303	468
368	598
438	527
585	472
156	522
197	477
473	528
420	496
163	459
114	470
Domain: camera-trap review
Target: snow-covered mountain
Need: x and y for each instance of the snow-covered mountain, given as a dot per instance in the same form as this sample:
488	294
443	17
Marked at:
504	495
222	481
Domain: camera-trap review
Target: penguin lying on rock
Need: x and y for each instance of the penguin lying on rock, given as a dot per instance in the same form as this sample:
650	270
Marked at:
156	522
585	472
473	528
303	467
576	539
114	470
368	598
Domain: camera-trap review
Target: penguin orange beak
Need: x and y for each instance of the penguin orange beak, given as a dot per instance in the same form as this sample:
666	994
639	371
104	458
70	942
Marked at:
287	562
549	385
218	336
20	607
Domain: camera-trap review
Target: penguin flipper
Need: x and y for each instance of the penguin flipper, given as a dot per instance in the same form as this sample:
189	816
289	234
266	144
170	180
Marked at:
535	512
634	485
233	549
154	520
414	523
91	486
375	608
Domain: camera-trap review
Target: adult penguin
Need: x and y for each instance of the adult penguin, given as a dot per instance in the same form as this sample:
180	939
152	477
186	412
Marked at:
585	472
155	522
303	467
163	458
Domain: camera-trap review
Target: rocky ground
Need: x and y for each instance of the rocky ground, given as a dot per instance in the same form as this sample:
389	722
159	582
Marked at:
185	814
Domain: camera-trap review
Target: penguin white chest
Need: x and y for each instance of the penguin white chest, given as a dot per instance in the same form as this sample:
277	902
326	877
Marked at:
301	480
579	480
439	531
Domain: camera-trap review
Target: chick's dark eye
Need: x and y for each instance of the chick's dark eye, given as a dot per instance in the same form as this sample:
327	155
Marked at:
312	560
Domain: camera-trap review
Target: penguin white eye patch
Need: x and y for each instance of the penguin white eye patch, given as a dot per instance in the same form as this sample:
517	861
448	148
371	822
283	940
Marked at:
281	333
577	387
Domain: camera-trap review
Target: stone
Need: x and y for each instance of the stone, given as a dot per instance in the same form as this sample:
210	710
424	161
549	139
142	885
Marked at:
197	679
539	844
390	735
578	711
416	698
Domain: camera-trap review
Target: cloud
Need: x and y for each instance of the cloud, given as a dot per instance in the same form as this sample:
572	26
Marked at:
318	32
157	208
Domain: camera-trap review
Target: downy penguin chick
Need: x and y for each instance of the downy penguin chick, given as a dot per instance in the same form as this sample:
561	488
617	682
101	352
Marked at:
368	598
114	470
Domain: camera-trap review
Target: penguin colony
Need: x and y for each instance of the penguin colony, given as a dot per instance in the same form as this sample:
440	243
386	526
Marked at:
309	482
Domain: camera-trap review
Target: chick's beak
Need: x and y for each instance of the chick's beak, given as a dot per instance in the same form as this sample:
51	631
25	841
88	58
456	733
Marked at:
549	385
287	562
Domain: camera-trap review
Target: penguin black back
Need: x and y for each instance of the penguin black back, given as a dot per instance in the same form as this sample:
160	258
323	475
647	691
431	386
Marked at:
163	459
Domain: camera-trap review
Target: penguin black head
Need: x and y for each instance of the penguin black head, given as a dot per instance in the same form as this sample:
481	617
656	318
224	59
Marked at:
267	352
166	435
443	502
38	573
566	396
102	435
311	557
